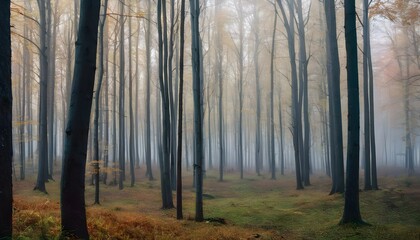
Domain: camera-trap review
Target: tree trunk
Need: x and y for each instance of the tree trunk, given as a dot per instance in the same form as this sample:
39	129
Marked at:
333	74
130	93
73	212
366	100
351	197
179	214
303	75
271	127
121	145
149	172
198	126
163	82
6	99
43	103
97	101
296	118
258	152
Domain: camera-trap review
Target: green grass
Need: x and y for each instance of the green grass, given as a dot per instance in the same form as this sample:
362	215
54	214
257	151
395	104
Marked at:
255	207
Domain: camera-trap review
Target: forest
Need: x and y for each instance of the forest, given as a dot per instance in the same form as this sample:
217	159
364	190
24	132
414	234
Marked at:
211	119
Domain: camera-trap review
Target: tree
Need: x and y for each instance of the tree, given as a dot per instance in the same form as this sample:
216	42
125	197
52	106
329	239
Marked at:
289	23
73	212
351	197
240	55
43	101
198	125
6	148
219	74
179	214
97	101
369	121
130	97
167	201
303	95
366	106
334	101
121	153
258	152
148	149
271	127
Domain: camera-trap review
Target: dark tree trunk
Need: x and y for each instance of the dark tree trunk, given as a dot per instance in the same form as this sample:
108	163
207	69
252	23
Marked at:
43	103
179	214
163	83
296	118
97	101
334	101
73	212
198	126
366	100
6	147
52	31
304	102
351	196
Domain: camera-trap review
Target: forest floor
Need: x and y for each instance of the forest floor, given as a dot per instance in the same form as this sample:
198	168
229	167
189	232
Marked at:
253	208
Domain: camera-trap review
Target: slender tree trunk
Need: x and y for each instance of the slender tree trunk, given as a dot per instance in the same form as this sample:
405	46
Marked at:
106	102
173	125
179	214
149	172
163	82
121	145
271	127
303	75
333	74
366	100
258	152
219	74
130	93
281	137
114	115
51	32
371	103
73	212
43	103
241	83
198	126
97	101
351	196
296	116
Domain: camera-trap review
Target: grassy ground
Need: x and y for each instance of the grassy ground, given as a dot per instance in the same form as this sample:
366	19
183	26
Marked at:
253	208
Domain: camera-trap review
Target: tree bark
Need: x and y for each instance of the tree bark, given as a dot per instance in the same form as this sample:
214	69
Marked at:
351	196
198	126
97	101
121	145
271	127
73	212
43	103
148	149
6	99
179	214
333	74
